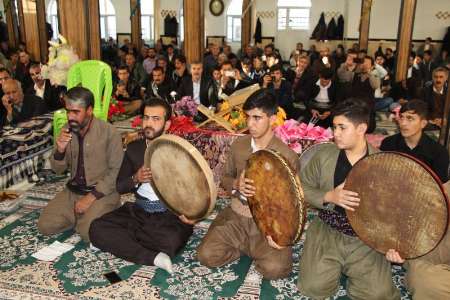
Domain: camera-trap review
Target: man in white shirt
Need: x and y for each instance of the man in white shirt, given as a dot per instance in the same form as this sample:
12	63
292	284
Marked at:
43	89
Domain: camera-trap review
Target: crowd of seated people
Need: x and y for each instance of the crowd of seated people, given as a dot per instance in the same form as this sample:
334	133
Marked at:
307	84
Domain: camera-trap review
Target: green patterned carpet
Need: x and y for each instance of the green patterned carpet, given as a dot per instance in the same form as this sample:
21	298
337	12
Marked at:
79	272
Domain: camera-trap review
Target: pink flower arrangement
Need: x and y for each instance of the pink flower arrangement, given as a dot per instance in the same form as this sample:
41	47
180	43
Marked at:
186	106
296	134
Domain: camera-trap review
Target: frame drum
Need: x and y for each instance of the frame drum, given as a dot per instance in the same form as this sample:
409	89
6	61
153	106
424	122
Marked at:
403	204
181	177
278	206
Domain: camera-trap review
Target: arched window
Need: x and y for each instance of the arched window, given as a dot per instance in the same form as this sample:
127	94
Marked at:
52	18
234	13
293	14
107	19
147	21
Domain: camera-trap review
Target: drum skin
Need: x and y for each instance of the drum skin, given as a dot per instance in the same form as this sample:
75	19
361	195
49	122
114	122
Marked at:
403	205
181	177
278	207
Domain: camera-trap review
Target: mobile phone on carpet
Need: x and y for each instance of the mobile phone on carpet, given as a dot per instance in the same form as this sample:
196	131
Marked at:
112	277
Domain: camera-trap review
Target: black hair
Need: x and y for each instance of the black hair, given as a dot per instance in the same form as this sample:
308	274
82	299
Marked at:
271	46
246	61
354	109
80	95
153	102
262	99
276	67
158	68
428	52
372	61
326	73
123	67
181	58
416	106
3	69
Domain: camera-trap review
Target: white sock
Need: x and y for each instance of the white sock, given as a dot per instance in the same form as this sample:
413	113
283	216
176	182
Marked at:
93	248
164	262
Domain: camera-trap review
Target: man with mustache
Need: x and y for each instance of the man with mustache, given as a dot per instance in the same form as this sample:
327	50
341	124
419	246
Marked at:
91	150
144	232
434	94
17	106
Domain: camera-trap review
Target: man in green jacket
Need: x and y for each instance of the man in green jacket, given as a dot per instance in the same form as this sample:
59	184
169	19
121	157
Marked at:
332	247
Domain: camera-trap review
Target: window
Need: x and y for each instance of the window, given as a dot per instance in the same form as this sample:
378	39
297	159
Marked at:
234	13
107	20
293	14
52	18
147	21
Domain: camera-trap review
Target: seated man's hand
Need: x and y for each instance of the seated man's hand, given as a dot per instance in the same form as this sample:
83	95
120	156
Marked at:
315	113
186	220
272	243
346	199
393	256
83	204
437	122
7	103
325	115
143	175
246	187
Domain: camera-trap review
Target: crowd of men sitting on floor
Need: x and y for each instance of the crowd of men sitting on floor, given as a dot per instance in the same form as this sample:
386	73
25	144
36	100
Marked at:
307	84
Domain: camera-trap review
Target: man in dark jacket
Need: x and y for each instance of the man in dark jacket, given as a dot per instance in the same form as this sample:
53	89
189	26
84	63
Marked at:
19	107
43	88
160	86
322	98
197	86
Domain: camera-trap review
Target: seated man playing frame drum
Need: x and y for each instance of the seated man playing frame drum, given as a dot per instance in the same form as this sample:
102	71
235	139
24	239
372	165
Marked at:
428	276
332	247
234	231
144	232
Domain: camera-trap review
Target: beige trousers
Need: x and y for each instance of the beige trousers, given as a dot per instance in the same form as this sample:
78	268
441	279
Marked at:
59	214
231	234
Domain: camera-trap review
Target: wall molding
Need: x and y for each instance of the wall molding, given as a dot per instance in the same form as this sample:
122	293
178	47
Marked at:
265	14
167	12
442	15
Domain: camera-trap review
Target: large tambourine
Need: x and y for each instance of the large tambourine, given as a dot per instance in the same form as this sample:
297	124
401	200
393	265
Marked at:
278	207
403	204
181	176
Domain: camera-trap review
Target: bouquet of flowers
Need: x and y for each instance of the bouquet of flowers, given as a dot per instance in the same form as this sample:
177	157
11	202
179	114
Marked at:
115	109
299	135
186	106
61	57
237	117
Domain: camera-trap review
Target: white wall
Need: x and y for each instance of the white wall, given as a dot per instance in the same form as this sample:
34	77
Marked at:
123	11
383	21
426	23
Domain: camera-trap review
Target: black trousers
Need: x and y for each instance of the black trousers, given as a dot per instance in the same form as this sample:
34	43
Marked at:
135	235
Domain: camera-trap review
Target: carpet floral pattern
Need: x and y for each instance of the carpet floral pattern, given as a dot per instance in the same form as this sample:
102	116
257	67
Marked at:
79	272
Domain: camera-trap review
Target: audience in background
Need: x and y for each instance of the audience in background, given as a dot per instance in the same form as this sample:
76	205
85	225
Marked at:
307	80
